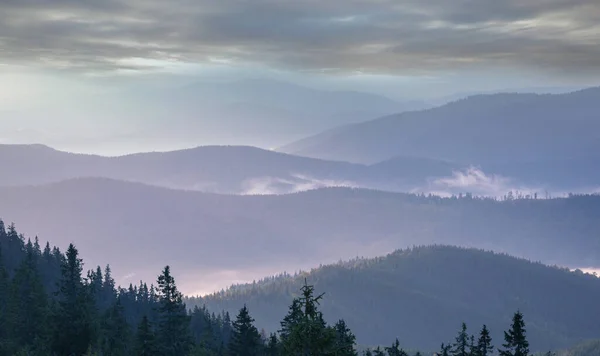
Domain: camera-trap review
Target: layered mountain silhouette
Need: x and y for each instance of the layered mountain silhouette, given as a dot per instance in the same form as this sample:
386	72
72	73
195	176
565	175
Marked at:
487	130
136	227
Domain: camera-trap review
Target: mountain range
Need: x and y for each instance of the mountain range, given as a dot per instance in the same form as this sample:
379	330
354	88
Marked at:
136	227
486	130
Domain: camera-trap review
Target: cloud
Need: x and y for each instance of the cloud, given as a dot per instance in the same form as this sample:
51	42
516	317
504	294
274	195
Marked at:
296	183
476	182
375	36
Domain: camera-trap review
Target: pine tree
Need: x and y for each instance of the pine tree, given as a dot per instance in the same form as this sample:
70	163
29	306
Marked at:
395	349
461	344
245	340
378	352
72	316
344	340
484	344
272	348
28	305
145	340
445	350
304	331
4	287
515	340
115	331
174	338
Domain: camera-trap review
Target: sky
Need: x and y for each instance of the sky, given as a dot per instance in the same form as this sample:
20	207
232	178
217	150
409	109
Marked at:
80	70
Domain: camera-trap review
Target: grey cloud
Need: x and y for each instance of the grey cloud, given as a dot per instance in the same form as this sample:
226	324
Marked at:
377	36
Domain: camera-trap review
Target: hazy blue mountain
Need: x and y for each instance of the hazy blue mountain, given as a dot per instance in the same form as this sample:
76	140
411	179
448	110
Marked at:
221	169
479	130
421	296
260	112
251	236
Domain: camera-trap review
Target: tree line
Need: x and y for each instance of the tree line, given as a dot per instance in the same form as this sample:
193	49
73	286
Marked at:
49	307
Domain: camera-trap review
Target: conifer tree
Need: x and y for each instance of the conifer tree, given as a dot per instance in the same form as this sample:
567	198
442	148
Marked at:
515	340
4	287
245	340
145	340
174	338
306	331
484	344
445	350
272	348
461	343
28	306
378	352
72	316
344	340
116	331
395	349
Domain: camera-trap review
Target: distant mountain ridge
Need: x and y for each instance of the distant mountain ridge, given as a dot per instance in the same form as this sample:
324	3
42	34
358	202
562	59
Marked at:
421	295
134	226
478	130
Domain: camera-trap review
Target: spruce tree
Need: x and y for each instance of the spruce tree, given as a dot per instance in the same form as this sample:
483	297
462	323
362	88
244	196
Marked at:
484	344
378	352
174	338
72	315
245	340
272	347
28	306
515	340
395	349
115	331
461	343
145	340
344	340
445	350
305	330
4	288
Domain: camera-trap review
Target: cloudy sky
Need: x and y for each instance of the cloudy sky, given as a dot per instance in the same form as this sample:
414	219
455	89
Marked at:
69	54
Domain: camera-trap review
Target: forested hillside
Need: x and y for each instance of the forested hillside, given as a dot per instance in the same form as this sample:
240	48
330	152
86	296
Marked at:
133	226
419	294
50	307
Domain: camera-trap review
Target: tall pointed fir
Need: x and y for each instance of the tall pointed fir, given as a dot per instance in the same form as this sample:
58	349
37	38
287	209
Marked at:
174	337
395	349
245	340
115	331
484	344
515	339
461	343
28	306
304	329
344	340
4	287
72	315
145	339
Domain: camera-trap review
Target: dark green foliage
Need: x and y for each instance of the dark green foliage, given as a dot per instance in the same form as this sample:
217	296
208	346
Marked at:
306	332
515	339
73	313
272	348
378	352
344	340
445	350
174	337
145	339
484	343
4	287
429	289
115	331
395	349
27	306
461	343
245	340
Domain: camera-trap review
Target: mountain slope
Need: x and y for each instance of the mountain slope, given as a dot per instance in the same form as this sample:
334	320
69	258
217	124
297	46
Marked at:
138	228
421	295
219	169
479	130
